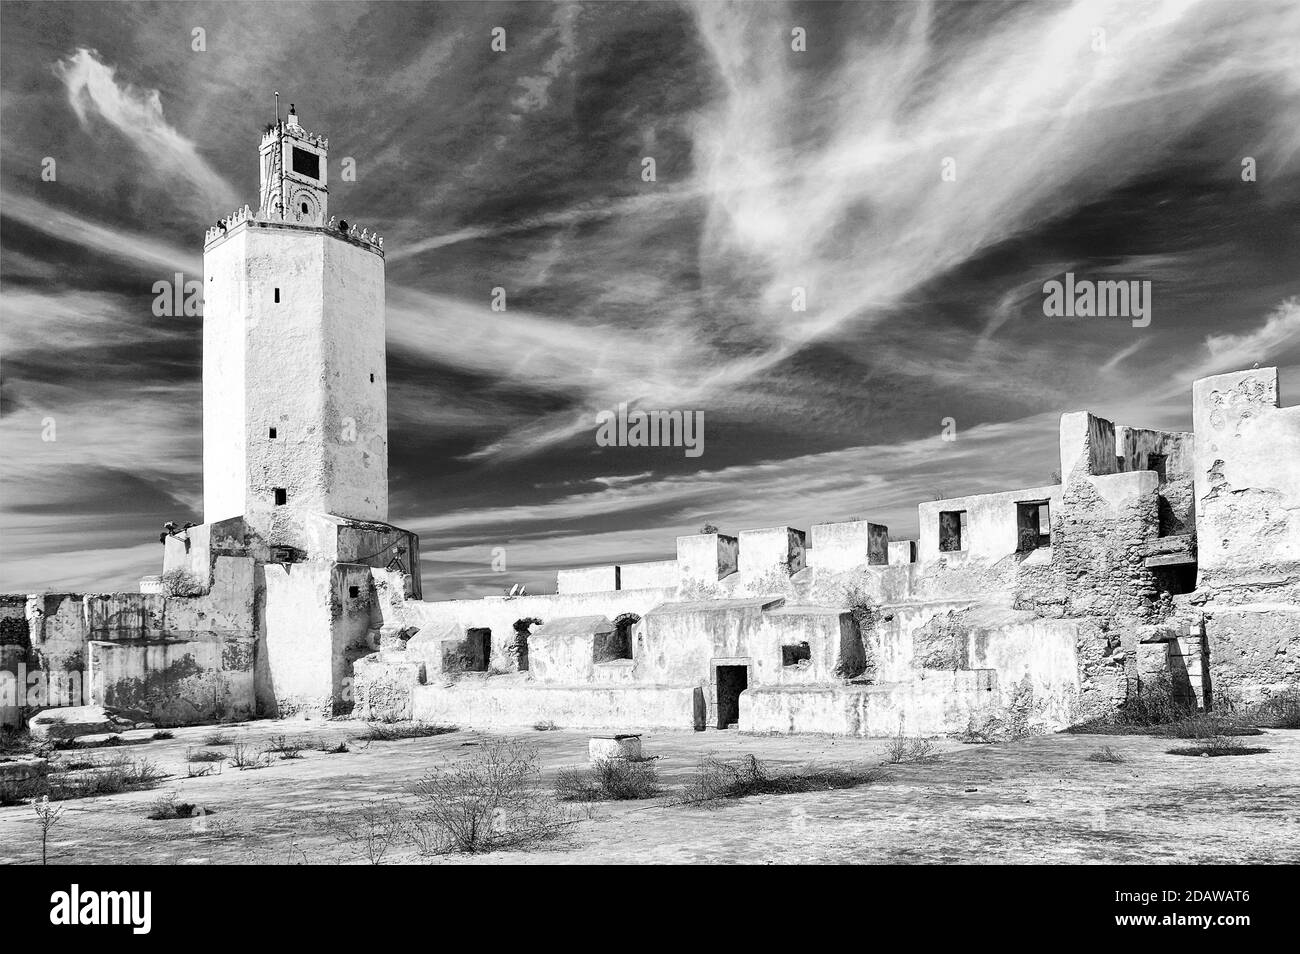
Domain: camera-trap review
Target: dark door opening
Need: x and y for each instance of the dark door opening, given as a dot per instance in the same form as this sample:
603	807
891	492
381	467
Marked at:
732	681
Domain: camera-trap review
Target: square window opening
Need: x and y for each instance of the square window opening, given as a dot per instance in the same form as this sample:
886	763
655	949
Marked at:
796	654
281	496
354	592
271	433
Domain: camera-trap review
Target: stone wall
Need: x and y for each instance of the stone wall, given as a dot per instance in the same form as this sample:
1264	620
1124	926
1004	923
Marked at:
180	660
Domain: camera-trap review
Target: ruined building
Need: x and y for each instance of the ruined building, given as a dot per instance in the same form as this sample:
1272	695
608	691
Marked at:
1158	555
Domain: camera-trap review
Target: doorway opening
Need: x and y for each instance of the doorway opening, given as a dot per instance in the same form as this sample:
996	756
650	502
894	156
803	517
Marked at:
731	681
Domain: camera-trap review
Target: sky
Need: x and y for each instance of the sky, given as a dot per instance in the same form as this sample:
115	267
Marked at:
918	170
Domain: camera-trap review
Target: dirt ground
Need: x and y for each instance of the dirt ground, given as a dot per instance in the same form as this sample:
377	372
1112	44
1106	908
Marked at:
1036	801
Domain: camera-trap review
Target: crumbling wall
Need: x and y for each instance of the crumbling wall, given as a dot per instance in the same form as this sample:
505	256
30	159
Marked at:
15	641
179	660
1171	454
1247	485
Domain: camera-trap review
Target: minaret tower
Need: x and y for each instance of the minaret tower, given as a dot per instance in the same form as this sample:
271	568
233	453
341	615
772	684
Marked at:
295	410
294	183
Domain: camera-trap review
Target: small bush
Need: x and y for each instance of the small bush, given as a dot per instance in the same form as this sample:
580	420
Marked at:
204	755
244	756
372	832
903	748
200	771
284	747
486	802
390	732
608	780
162	735
217	738
166	807
546	725
330	748
1217	746
1105	754
716	780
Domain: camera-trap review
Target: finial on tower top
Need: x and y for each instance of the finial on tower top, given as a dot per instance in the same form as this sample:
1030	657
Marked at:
293	115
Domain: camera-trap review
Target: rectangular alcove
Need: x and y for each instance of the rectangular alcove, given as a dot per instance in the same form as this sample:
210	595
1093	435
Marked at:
1033	525
952	531
795	654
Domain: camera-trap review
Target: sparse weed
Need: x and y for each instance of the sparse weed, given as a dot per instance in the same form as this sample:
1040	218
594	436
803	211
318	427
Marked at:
390	732
1217	746
282	746
904	748
716	780
1105	754
244	757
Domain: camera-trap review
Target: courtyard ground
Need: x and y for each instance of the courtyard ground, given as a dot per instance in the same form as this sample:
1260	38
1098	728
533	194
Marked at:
1035	801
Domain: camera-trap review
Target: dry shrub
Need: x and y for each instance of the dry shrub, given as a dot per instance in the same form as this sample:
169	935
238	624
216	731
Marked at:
371	833
1217	746
716	780
166	807
608	780
119	774
204	755
244	756
285	747
487	802
1105	754
904	748
392	731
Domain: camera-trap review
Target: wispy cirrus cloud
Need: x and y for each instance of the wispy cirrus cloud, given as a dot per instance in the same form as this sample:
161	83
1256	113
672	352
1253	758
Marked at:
95	93
776	169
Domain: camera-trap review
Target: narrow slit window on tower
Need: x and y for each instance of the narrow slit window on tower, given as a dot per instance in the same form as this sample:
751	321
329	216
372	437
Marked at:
372	377
272	433
281	496
277	296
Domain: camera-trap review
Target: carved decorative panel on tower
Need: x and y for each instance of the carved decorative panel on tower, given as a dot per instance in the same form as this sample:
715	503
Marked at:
294	173
295	411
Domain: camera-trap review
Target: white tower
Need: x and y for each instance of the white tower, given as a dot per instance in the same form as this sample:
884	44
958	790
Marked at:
295	410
